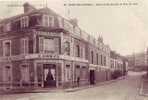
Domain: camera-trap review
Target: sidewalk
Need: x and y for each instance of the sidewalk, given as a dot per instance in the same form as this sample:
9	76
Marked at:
92	86
144	86
46	90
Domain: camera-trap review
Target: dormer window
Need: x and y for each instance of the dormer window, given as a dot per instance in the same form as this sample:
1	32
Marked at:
24	21
8	27
1	28
48	21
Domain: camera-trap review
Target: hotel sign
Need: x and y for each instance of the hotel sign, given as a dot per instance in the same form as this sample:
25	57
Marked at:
42	56
29	56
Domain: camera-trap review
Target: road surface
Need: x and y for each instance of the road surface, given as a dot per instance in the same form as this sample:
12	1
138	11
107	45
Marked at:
125	89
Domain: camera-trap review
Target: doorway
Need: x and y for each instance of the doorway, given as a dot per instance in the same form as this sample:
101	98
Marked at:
49	75
92	77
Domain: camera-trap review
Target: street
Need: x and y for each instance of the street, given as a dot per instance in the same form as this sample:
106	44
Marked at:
124	89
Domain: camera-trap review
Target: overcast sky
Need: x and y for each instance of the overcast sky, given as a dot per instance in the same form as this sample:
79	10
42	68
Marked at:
124	28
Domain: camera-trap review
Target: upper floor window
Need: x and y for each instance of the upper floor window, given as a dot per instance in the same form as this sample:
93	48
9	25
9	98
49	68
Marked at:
8	27
77	51
60	22
48	45
68	26
104	61
1	28
67	47
24	21
92	57
83	52
97	58
101	59
7	48
35	20
24	45
48	21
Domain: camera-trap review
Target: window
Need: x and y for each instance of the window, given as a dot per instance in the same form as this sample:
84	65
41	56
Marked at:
60	22
1	28
77	51
97	58
8	27
7	48
101	60
49	45
34	20
24	21
92	57
68	26
83	52
48	21
67	48
25	73
16	25
104	61
84	72
24	45
68	72
77	72
8	74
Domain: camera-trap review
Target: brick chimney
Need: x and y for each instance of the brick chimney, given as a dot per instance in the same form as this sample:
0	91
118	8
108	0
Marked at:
28	7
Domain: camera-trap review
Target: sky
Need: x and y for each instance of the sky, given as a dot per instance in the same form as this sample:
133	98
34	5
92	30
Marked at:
124	28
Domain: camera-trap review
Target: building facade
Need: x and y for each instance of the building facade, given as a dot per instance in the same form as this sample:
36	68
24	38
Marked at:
118	63
41	49
138	61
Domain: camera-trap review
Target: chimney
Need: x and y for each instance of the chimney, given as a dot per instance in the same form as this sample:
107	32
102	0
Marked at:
28	8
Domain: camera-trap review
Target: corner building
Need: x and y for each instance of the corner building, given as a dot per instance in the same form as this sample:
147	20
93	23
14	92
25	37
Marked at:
41	49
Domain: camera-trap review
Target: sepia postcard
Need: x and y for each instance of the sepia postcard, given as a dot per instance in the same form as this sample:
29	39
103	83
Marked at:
73	50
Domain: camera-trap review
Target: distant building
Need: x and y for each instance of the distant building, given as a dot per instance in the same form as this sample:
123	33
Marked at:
137	61
118	62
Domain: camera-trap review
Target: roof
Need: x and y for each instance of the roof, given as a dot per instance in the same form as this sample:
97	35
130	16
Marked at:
42	10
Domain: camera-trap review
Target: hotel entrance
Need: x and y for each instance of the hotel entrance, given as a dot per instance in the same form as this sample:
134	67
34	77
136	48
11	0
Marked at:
92	77
49	71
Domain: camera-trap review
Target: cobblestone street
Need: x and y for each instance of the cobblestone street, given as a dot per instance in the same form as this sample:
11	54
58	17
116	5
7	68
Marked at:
124	89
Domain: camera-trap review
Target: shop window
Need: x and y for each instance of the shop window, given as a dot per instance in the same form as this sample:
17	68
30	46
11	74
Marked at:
25	73
49	45
77	72
48	21
84	73
24	45
24	21
8	74
7	48
68	72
